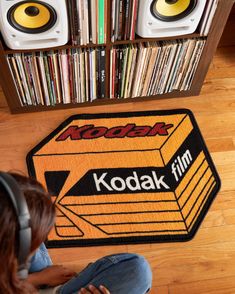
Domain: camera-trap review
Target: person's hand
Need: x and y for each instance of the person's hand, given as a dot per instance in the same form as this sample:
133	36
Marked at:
56	275
51	276
94	290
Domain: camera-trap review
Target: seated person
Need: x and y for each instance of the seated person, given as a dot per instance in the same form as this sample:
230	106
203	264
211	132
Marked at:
123	273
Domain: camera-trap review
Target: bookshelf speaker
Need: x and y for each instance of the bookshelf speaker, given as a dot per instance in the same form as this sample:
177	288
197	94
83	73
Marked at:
167	18
34	24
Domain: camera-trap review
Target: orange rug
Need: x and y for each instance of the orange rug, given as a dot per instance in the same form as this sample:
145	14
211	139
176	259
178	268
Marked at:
124	178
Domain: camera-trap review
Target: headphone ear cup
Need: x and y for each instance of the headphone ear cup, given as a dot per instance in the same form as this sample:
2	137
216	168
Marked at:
24	249
23	273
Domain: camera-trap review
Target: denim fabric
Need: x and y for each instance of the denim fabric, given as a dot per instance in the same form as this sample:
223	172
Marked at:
40	260
120	273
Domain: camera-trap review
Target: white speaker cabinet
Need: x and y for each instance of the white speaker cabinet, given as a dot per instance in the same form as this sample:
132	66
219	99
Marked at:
149	26
19	30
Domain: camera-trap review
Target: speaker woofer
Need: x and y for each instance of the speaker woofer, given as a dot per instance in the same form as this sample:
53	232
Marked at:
172	10
32	17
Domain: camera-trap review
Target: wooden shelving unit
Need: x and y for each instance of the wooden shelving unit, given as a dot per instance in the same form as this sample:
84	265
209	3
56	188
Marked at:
212	40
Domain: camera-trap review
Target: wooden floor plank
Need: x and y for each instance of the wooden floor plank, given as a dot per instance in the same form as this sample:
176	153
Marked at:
213	286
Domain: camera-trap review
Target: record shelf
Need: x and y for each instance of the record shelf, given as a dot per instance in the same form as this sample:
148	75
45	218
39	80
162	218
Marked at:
212	40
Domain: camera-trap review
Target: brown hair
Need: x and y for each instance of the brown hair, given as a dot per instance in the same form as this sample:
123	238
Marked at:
42	213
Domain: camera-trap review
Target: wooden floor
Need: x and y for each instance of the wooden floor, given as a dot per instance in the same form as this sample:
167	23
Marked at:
207	263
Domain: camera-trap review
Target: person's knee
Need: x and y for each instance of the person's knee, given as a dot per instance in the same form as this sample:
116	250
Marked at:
124	273
143	271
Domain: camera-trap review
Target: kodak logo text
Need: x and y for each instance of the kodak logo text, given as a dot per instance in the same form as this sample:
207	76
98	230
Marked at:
129	130
132	183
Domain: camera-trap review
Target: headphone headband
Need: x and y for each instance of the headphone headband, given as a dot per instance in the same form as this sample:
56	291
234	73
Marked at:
18	200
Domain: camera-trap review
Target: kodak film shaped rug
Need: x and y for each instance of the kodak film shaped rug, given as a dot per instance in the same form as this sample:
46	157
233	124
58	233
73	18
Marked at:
126	178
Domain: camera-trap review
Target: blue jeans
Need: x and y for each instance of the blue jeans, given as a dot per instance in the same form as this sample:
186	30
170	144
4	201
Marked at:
120	273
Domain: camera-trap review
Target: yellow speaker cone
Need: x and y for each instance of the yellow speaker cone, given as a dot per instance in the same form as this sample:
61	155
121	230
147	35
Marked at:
169	10
31	15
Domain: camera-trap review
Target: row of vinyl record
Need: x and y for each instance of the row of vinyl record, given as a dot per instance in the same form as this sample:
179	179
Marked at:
123	21
146	69
208	15
88	21
79	75
64	76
